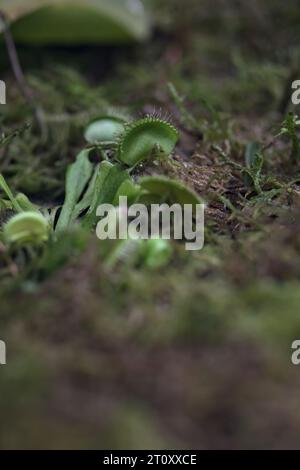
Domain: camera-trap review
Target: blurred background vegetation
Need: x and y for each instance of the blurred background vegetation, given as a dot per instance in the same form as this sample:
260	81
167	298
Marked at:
197	354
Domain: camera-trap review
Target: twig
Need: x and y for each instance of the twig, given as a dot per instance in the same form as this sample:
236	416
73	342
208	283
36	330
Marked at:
19	75
4	141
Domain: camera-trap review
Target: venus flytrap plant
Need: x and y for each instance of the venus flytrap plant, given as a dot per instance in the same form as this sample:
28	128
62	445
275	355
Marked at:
26	228
135	142
104	130
154	253
86	189
145	137
88	186
107	183
85	202
158	189
28	225
129	189
131	142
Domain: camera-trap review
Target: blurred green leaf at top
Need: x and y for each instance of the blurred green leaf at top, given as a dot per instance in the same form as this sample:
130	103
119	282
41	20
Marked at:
68	22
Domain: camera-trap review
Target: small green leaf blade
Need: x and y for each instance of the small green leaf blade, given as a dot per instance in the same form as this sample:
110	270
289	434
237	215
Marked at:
78	175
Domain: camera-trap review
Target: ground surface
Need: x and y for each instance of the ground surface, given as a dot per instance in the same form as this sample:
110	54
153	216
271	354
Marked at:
197	354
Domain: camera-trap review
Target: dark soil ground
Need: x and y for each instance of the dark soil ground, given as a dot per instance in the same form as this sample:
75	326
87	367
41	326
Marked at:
196	354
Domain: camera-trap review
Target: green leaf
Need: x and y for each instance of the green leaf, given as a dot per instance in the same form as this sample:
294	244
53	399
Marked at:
250	153
129	189
155	253
152	253
78	175
87	198
27	227
4	186
104	129
76	21
142	137
25	204
109	179
163	189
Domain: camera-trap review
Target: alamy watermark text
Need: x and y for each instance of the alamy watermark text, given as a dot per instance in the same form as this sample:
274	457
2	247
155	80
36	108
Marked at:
2	353
139	221
296	93
2	92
